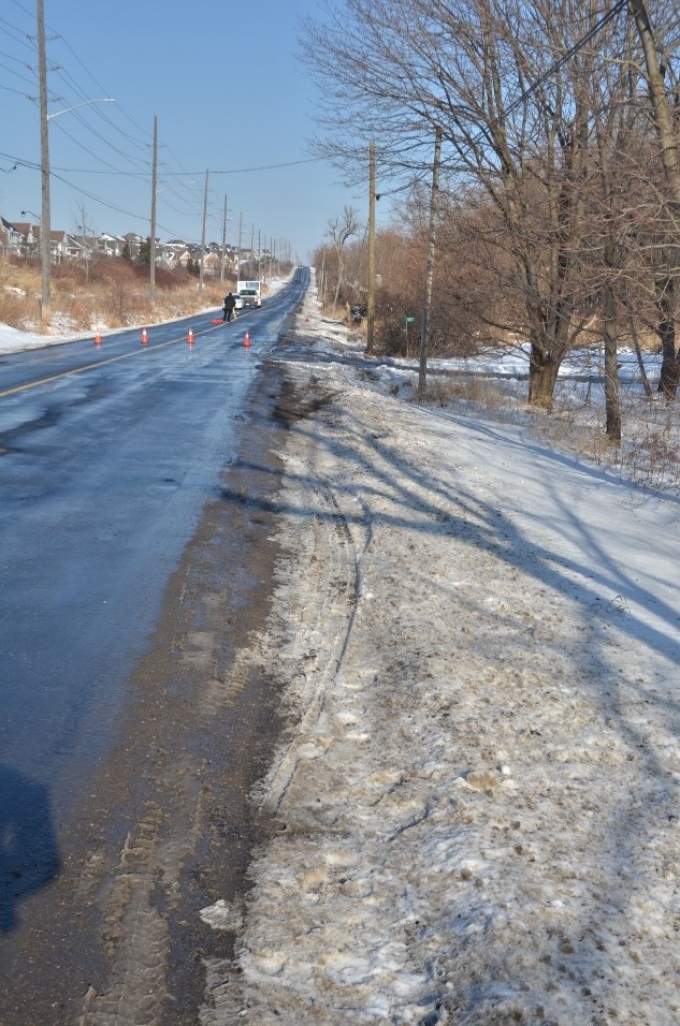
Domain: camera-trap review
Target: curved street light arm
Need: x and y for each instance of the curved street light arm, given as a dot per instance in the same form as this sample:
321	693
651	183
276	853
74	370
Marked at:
102	99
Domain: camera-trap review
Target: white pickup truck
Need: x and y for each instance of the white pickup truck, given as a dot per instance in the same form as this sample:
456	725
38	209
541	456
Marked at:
250	293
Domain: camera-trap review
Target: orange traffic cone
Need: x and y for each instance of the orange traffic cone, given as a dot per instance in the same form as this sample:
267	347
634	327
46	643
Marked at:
145	337
98	338
246	340
190	337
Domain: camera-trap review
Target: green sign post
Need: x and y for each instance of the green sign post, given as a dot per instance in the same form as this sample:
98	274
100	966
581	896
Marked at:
408	320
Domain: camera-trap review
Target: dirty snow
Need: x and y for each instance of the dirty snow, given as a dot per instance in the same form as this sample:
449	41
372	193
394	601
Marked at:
475	801
476	797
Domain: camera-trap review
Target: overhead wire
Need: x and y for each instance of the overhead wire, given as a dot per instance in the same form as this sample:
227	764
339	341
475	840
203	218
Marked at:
173	177
63	74
579	45
8	89
15	32
564	59
188	200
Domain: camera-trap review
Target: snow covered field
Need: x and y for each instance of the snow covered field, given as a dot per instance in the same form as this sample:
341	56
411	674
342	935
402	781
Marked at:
476	797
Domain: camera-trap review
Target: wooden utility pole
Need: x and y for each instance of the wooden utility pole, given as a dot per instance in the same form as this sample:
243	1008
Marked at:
322	282
429	271
664	122
224	242
657	94
152	238
45	232
370	311
205	218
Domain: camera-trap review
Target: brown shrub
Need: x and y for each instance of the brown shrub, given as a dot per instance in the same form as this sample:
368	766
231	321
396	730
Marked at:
103	292
13	308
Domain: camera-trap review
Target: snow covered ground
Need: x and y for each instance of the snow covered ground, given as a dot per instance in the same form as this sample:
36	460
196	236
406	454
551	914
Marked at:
476	796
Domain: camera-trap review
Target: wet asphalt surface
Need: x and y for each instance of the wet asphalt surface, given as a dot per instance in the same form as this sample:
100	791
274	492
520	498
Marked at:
136	510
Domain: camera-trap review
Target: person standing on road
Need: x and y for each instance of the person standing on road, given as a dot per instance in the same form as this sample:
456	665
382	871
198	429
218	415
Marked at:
229	307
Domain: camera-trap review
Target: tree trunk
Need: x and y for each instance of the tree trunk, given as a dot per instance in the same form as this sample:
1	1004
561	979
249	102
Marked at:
636	342
611	368
338	286
670	366
543	371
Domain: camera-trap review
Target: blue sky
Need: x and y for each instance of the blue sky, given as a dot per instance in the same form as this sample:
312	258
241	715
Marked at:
230	94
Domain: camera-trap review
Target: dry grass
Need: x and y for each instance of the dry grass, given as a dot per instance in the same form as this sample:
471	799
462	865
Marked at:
109	293
481	391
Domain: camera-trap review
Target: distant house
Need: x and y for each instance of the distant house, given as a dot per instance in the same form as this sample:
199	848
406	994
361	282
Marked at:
190	252
133	241
10	237
211	264
81	247
111	245
59	246
168	253
29	245
23	239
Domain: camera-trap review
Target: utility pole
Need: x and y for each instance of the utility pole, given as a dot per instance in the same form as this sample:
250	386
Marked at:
154	189
240	240
370	312
429	271
205	217
669	378
322	282
45	240
224	242
657	94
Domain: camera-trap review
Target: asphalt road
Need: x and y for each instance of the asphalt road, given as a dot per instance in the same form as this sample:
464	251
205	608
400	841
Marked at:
115	522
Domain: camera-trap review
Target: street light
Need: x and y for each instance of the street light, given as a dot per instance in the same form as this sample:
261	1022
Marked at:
45	229
33	214
45	118
101	99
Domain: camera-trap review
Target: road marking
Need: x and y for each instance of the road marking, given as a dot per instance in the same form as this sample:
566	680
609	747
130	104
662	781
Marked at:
93	366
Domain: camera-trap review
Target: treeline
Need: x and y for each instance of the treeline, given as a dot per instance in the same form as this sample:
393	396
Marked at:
559	209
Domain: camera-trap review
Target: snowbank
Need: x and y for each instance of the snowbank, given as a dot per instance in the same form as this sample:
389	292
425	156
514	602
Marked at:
476	807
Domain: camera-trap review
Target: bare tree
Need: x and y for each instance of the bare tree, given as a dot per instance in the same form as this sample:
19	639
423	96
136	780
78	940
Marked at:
340	229
400	68
613	117
552	204
86	233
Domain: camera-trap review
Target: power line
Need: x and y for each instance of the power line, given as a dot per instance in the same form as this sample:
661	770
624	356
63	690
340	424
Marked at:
184	174
8	89
559	64
533	87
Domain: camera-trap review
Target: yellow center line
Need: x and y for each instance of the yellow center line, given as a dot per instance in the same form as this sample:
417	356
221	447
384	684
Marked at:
93	366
